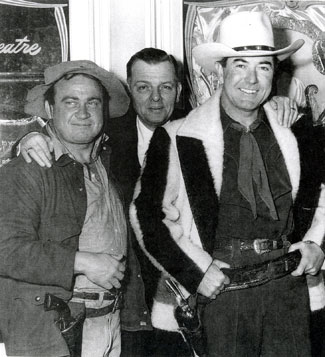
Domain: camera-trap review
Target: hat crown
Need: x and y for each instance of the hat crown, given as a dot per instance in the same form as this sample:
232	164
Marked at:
246	29
53	73
118	99
242	34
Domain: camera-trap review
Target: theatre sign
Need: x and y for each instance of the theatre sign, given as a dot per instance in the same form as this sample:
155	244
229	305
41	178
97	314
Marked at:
21	45
33	36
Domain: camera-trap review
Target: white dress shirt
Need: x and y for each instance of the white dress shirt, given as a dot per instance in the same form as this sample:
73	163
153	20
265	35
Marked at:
144	137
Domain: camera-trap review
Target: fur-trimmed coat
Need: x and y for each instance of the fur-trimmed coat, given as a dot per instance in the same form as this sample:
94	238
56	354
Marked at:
175	209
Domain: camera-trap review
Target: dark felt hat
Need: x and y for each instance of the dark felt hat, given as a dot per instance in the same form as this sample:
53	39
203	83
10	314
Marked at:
118	99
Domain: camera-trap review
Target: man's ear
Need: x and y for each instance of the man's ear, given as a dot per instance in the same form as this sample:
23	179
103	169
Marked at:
128	82
48	109
178	91
219	72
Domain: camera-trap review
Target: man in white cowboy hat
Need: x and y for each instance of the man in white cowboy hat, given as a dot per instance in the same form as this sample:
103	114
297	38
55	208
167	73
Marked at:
63	229
218	191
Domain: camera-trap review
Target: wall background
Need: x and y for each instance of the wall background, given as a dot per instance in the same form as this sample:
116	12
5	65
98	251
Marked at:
109	32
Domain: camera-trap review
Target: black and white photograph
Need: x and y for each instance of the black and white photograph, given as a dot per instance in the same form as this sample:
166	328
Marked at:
162	178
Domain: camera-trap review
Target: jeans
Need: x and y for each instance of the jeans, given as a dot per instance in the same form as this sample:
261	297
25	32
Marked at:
101	334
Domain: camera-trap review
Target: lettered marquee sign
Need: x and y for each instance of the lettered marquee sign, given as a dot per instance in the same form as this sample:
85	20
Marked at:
33	36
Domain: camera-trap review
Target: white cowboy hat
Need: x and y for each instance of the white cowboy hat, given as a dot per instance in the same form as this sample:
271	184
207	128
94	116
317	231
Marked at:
243	34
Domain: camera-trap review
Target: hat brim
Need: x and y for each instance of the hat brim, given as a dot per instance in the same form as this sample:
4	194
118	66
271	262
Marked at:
119	101
207	54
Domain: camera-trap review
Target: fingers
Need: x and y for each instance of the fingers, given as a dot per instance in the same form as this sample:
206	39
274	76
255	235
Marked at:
300	269
305	267
38	156
117	256
121	267
119	275
311	270
119	261
273	103
220	264
116	283
217	291
227	280
295	246
107	285
293	114
281	113
284	113
26	156
37	147
213	281
49	145
286	110
312	258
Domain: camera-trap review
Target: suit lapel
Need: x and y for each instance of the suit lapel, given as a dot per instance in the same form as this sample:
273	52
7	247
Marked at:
123	139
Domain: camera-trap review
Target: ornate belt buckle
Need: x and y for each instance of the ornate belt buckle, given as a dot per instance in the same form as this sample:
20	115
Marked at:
285	242
261	246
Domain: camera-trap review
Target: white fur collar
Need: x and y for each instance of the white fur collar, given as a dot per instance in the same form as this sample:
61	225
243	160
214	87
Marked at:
204	124
288	146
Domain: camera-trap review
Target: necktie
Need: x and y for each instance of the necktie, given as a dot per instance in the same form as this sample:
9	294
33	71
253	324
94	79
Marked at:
252	170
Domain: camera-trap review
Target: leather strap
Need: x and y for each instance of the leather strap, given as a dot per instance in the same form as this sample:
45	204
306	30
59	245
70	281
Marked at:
94	296
99	312
111	308
259	245
259	274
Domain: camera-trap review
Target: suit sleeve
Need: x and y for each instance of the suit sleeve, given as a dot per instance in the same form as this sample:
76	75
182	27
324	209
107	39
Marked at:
310	202
316	232
24	256
155	226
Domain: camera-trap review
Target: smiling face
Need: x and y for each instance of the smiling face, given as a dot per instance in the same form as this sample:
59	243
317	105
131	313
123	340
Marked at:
155	90
247	84
77	111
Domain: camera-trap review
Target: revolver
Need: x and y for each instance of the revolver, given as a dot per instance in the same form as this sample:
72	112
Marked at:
188	320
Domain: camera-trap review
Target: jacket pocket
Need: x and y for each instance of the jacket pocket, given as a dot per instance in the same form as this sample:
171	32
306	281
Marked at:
31	329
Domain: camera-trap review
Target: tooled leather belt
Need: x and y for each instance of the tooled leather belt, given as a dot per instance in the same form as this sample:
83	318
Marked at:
259	245
261	273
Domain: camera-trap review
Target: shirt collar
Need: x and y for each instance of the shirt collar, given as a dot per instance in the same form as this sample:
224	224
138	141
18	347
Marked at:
227	121
144	133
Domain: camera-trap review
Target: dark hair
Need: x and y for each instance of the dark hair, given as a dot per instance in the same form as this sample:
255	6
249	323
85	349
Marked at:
151	56
50	93
223	62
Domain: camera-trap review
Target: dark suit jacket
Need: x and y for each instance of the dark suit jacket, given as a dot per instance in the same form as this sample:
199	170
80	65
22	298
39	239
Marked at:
311	142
